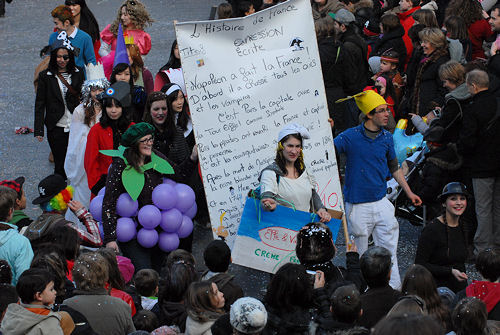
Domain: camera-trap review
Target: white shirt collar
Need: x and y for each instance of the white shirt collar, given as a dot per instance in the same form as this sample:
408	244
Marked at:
73	34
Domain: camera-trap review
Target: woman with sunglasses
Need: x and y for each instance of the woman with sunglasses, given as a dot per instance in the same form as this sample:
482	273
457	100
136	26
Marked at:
441	247
86	21
138	142
57	96
134	18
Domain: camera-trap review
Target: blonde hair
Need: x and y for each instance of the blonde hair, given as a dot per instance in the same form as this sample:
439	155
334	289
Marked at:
138	13
433	36
452	71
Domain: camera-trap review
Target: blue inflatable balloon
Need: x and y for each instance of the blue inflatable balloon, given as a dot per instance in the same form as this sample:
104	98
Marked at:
171	220
147	237
191	213
101	229
186	227
164	196
185	197
125	229
149	216
405	145
102	191
168	241
95	207
169	182
125	206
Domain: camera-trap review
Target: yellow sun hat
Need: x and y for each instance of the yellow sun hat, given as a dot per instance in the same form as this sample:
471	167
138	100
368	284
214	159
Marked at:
366	101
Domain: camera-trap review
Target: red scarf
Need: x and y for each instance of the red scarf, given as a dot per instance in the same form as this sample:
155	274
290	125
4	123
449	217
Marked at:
486	291
70	265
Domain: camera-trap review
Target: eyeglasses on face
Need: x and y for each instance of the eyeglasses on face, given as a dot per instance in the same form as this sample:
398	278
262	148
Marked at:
147	140
385	110
65	57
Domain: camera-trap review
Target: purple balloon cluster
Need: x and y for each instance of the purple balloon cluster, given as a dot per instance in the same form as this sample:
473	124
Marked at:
173	208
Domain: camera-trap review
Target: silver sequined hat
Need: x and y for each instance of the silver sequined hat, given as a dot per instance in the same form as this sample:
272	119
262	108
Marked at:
95	78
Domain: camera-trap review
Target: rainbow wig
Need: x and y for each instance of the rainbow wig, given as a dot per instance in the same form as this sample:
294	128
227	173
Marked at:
60	201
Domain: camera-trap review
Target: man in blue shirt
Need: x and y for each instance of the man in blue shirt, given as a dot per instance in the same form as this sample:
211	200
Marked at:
370	157
80	40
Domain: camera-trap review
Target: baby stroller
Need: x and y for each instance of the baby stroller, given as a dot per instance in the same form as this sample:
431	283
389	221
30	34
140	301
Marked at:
416	215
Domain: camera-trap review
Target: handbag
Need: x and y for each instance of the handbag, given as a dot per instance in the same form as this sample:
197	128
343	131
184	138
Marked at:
72	96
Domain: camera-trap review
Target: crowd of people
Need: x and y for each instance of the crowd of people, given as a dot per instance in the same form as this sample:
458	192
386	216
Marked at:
107	119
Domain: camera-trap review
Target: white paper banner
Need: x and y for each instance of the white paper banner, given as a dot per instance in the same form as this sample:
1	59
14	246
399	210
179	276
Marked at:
245	79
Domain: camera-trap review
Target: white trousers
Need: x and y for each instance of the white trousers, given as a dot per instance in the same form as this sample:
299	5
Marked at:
376	219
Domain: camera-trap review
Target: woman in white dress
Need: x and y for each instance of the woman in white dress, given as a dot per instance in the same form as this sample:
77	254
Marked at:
287	181
84	117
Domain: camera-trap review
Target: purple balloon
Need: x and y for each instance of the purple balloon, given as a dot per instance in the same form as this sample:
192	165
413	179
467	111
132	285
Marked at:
164	196
168	241
125	229
147	237
95	207
169	182
149	216
171	220
101	229
185	197
186	227
102	191
191	213
125	206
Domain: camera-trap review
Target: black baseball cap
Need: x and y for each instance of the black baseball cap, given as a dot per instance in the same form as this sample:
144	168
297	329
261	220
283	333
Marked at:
49	187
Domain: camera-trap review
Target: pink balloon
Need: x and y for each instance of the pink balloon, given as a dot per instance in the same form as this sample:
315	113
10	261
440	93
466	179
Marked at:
185	197
125	229
171	220
191	213
164	196
147	237
186	227
168	241
95	207
125	206
149	216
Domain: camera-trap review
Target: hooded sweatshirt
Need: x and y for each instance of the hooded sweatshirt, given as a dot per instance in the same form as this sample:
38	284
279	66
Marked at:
20	321
20	219
16	250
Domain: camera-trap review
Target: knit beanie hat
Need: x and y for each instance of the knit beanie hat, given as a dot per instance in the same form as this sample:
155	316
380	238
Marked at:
248	315
314	244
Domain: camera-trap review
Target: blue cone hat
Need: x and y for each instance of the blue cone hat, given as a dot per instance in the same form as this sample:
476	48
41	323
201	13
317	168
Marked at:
121	55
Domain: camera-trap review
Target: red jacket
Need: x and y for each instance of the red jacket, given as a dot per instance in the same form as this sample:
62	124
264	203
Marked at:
123	296
96	164
478	32
407	22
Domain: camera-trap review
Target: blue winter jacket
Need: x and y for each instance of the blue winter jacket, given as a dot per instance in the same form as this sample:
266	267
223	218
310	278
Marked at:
16	250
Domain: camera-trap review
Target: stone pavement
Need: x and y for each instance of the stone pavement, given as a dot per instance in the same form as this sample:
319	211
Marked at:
24	31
